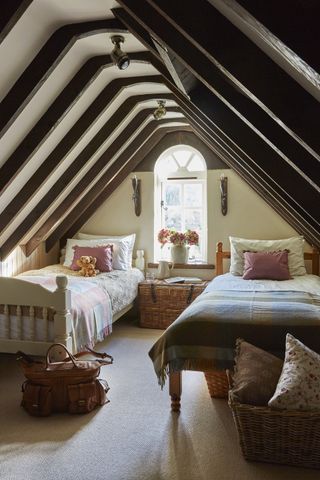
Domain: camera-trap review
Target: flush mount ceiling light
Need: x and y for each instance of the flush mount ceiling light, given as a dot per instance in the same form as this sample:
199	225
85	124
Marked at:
119	57
160	111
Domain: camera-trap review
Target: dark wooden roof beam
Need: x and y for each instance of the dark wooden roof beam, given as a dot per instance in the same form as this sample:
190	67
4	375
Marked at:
11	12
79	162
39	70
267	83
95	191
248	111
70	140
57	111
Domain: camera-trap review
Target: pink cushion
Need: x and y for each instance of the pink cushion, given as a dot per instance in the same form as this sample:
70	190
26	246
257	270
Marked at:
102	254
266	265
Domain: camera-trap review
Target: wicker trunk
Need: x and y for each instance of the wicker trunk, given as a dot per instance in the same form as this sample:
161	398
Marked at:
161	303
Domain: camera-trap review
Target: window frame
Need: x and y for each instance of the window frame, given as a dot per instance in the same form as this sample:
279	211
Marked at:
182	176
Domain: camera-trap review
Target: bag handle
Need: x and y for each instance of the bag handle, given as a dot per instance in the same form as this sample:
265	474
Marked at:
93	352
26	358
72	358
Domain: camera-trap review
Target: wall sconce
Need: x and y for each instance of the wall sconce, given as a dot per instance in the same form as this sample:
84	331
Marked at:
136	196
160	111
224	194
119	58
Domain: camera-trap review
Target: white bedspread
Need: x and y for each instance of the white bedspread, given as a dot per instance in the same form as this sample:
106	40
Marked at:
121	285
304	283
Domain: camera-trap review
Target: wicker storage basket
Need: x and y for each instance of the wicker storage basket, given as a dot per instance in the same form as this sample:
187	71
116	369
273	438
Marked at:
287	437
160	303
217	382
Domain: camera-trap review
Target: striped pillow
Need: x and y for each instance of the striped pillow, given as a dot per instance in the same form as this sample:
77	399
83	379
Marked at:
103	254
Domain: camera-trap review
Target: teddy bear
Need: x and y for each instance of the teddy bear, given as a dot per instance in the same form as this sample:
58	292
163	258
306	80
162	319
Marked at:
87	265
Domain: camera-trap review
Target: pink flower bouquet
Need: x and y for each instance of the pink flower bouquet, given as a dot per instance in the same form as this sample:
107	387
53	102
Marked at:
167	235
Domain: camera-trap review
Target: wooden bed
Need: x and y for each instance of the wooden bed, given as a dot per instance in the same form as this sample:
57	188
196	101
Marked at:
175	378
30	299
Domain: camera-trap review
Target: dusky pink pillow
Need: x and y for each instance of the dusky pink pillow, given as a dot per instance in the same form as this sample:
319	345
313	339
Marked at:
103	254
266	265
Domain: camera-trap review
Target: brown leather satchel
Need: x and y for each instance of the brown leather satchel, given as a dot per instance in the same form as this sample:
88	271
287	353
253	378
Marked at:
70	386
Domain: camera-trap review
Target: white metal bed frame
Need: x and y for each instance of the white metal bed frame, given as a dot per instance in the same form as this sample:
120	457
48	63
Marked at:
20	293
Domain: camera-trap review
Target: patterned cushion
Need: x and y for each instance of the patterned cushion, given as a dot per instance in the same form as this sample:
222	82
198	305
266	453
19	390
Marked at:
299	383
256	374
103	255
266	265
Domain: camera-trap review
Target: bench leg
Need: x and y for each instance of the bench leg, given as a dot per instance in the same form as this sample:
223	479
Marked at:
175	389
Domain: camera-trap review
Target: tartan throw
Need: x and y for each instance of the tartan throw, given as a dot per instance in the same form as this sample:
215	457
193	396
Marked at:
204	336
90	308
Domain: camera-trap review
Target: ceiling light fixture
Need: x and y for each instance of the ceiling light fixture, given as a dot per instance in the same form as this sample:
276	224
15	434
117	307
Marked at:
119	58
160	111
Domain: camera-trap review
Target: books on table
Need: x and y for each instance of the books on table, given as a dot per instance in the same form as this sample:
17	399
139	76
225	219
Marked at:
171	280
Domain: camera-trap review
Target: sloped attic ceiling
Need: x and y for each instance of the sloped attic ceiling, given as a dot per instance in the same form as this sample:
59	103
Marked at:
73	126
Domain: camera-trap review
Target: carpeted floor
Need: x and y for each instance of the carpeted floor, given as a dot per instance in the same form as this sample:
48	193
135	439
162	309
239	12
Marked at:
135	436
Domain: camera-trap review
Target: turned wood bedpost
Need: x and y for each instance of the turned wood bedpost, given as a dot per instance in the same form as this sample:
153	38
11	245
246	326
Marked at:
175	390
220	256
63	316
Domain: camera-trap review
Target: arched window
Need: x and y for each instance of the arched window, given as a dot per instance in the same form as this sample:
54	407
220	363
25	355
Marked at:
181	198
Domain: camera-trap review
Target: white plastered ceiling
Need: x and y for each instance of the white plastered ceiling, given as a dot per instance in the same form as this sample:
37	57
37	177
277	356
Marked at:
41	20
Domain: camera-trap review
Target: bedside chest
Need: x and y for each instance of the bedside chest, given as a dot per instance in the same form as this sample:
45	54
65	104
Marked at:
161	303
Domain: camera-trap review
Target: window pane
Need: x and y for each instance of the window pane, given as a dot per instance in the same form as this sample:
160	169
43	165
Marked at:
172	194
182	157
193	195
196	164
193	219
166	166
173	218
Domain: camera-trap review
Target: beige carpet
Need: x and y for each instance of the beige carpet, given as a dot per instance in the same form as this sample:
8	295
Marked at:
135	436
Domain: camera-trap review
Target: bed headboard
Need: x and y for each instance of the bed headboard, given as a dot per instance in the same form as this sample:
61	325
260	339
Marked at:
221	255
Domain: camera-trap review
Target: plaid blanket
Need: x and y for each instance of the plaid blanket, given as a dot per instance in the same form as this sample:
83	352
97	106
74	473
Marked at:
90	308
204	335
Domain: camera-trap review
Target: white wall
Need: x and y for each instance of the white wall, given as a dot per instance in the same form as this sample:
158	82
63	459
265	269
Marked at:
248	216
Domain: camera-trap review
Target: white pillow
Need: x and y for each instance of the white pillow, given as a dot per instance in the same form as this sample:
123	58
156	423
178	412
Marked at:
295	245
299	383
127	238
122	250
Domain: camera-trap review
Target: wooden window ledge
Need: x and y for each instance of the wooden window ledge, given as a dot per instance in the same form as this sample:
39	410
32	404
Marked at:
187	266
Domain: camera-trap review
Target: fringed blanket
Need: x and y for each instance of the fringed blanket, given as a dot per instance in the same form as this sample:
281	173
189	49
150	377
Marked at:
204	335
90	308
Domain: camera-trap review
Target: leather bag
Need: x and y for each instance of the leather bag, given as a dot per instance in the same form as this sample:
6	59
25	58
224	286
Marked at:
70	386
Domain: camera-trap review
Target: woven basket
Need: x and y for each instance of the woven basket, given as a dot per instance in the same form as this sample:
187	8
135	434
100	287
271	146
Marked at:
217	382
160	304
287	437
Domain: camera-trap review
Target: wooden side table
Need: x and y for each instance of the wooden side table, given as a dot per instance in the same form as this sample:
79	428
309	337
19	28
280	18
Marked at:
161	303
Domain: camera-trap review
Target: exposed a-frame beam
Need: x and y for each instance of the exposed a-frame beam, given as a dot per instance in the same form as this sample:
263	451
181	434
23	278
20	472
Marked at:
55	113
260	153
71	139
11	12
153	46
243	63
90	199
237	159
45	62
265	36
196	56
70	173
58	110
294	22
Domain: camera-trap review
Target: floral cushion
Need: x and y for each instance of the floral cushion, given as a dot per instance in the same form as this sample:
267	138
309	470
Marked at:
256	374
299	383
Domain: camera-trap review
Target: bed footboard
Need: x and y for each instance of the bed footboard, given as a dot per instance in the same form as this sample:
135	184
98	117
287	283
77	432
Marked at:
20	299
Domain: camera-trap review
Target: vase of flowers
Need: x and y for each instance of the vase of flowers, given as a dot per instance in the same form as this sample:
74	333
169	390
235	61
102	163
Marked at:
180	243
